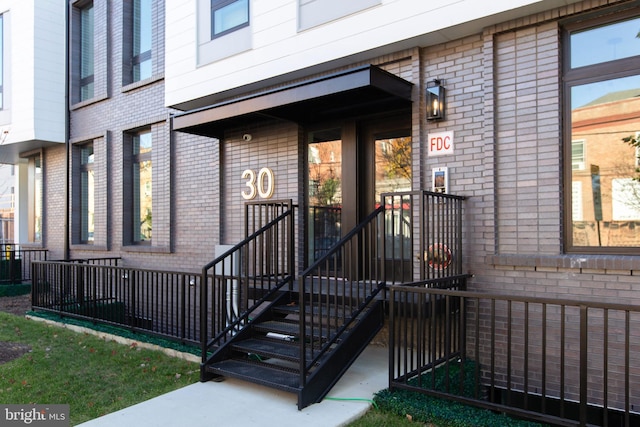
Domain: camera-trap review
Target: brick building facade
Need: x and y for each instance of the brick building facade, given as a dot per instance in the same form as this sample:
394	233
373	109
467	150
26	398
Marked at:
510	93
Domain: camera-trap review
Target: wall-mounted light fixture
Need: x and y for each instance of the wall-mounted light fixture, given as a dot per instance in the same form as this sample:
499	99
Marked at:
435	100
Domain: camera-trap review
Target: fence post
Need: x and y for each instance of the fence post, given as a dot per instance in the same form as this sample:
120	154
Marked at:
203	315
584	321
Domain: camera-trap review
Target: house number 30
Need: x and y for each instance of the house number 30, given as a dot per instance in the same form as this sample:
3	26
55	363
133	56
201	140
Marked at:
261	184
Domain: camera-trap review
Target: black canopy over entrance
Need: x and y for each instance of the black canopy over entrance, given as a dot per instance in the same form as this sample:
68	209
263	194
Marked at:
359	91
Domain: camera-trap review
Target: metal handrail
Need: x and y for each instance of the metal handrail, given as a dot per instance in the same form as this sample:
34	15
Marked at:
337	291
230	274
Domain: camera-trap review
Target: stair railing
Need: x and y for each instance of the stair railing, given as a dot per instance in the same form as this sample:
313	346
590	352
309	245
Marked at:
337	287
242	278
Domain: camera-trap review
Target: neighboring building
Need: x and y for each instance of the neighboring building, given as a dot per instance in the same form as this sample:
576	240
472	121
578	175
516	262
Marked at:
32	117
180	112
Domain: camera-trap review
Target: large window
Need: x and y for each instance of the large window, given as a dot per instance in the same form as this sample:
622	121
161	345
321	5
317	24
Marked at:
602	75
141	182
2	62
141	43
87	194
228	16
86	52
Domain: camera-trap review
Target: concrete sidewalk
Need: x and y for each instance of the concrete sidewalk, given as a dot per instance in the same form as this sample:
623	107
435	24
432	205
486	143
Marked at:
239	403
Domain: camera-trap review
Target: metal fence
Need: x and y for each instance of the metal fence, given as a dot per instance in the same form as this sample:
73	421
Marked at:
422	235
556	361
15	262
162	303
238	281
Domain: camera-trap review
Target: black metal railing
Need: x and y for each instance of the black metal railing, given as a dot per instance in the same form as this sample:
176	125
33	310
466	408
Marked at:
247	274
426	227
337	288
162	303
555	361
325	230
15	262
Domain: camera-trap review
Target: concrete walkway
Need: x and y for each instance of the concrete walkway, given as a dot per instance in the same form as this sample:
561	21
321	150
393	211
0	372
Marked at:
237	403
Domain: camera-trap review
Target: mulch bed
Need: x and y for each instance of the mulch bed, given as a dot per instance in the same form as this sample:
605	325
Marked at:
18	306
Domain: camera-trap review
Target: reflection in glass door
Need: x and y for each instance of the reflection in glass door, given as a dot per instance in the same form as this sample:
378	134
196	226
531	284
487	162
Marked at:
393	174
324	182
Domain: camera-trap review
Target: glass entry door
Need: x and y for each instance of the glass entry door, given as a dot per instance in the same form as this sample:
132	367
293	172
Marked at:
392	173
348	168
324	183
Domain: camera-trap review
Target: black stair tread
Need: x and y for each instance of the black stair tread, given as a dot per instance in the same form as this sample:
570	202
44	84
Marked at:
271	348
257	373
291	329
316	310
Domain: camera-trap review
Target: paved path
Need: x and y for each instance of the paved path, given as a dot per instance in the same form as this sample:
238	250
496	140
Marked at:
237	403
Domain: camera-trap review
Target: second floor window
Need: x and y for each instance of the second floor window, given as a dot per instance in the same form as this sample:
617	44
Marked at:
228	16
86	53
141	26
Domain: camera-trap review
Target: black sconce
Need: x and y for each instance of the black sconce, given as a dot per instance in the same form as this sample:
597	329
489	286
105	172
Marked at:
435	100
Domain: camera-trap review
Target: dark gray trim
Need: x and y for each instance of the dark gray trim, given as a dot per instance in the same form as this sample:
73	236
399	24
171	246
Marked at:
359	91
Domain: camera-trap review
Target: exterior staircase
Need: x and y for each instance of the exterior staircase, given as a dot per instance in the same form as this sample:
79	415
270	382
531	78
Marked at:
267	350
262	323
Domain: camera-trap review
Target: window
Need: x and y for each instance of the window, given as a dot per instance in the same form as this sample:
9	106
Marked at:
2	62
87	194
602	79
141	187
35	198
223	29
312	13
86	53
228	16
577	155
141	34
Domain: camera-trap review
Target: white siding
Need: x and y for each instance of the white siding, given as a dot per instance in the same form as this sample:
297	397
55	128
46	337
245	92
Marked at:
278	48
34	79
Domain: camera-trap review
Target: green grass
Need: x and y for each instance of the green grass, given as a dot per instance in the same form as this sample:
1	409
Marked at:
92	375
404	407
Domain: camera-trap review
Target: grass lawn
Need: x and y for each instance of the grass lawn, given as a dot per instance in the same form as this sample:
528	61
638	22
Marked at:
94	376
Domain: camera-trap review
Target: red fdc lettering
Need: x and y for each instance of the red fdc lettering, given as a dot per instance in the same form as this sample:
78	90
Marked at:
439	143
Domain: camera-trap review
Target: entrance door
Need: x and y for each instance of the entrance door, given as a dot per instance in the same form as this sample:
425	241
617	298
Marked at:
348	167
389	170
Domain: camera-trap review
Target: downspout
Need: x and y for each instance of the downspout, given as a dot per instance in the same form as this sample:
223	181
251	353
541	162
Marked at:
67	198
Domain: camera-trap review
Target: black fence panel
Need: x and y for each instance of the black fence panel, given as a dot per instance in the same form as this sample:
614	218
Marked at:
561	362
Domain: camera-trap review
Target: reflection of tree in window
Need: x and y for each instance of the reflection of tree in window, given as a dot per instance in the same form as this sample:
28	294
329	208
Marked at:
142	187
324	173
393	165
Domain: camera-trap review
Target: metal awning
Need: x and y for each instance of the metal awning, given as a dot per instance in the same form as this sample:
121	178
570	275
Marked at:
355	92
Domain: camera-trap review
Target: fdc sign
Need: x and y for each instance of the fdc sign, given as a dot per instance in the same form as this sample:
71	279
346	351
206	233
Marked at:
440	143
